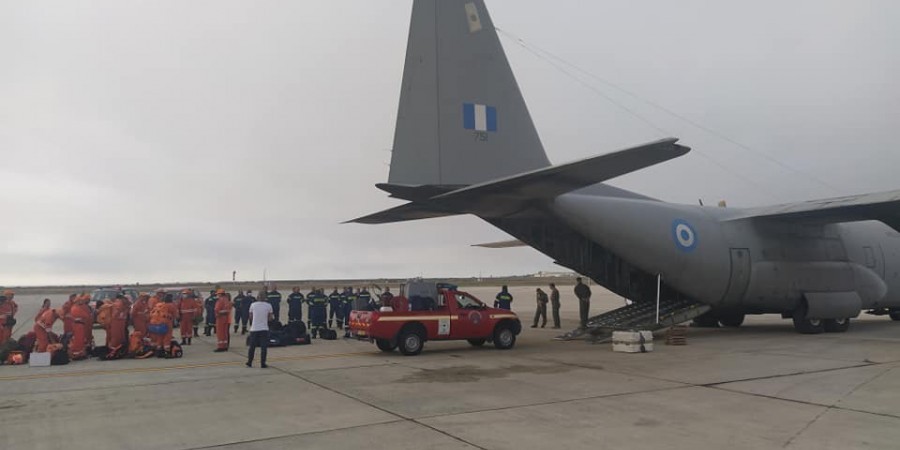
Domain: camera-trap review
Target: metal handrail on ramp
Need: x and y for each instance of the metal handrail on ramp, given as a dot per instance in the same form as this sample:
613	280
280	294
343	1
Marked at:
638	316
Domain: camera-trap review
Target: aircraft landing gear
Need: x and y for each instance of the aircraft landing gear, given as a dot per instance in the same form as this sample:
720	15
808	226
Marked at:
804	325
836	325
706	321
895	314
732	320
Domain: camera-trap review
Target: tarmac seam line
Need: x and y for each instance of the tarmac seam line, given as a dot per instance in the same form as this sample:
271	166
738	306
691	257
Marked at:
386	411
286	436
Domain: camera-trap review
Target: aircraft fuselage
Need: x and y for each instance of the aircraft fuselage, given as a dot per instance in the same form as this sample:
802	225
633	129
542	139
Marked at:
748	265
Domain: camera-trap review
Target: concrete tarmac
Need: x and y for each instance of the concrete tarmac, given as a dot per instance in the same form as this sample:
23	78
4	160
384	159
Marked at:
759	386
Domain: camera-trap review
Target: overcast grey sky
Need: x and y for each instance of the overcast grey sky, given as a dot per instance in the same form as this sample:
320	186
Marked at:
170	140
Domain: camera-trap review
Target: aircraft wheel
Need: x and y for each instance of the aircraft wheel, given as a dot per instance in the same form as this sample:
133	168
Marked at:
804	325
706	321
732	320
477	342
385	345
895	314
836	325
410	342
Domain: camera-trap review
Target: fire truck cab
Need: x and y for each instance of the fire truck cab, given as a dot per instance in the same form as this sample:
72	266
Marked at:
434	311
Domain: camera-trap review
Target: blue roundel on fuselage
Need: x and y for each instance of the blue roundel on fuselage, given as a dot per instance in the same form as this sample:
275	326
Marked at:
684	235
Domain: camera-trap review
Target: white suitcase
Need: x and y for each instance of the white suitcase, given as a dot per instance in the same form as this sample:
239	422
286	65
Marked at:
39	359
632	341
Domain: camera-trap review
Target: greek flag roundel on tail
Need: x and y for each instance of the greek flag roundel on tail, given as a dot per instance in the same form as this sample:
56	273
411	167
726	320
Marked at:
462	119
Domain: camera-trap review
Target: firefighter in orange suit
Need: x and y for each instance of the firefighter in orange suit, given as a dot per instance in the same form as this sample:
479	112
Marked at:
43	326
157	298
68	321
82	321
223	320
187	309
117	333
140	314
8	310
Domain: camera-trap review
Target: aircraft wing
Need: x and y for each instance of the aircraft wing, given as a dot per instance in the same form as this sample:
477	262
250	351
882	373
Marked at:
550	182
402	213
502	244
883	206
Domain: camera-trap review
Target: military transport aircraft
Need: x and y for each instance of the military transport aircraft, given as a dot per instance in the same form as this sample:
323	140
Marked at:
465	144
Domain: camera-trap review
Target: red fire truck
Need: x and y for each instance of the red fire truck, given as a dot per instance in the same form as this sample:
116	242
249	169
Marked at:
434	312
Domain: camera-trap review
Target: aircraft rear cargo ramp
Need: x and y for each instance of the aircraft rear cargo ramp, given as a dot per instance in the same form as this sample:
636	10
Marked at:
640	315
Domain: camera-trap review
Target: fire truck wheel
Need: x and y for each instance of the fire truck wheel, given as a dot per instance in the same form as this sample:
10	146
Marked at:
504	338
477	342
410	342
385	345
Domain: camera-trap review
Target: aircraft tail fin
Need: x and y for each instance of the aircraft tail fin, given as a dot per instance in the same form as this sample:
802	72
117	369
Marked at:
461	119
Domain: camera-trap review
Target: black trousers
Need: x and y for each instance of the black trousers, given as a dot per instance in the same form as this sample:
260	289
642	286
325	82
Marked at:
555	306
258	339
584	306
540	313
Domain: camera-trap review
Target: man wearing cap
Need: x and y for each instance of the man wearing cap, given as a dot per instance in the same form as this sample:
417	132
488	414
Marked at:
223	320
274	299
187	308
8	310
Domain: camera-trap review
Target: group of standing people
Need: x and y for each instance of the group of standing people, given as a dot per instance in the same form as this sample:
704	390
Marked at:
504	300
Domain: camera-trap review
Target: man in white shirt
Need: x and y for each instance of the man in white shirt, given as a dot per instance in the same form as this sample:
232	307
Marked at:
260	314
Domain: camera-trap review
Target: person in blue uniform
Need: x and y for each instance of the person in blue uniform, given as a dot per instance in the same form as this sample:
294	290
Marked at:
349	300
295	306
210	306
335	309
274	299
318	312
365	298
504	299
239	318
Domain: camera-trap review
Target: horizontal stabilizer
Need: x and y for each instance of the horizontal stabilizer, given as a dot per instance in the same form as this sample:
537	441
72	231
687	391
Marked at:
883	206
402	213
416	192
502	244
550	182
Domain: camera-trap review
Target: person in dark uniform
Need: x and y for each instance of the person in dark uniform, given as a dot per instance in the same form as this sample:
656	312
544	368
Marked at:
245	310
335	309
295	306
366	298
349	300
554	304
504	299
318	312
541	312
309	297
210	306
239	317
386	297
583	292
274	299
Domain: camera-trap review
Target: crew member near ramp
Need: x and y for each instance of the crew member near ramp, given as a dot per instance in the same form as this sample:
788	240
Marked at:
504	299
260	315
554	304
318	313
8	310
541	312
186	310
223	320
210	306
274	299
583	292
